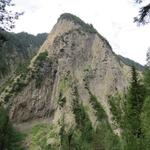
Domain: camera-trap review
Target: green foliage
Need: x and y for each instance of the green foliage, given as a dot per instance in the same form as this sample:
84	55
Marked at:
39	62
4	68
25	76
17	139
134	103
115	103
64	84
39	135
18	85
61	100
8	82
145	119
82	120
103	137
38	79
17	50
126	112
42	56
5	129
147	80
130	62
132	123
15	86
106	137
9	138
22	68
132	113
100	113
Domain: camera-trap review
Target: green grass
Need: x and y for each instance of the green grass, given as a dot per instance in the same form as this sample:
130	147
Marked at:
64	84
41	134
39	137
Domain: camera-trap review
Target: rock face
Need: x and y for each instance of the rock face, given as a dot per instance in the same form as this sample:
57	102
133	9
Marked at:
74	65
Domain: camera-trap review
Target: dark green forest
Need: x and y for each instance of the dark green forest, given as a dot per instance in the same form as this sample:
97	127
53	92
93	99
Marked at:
17	49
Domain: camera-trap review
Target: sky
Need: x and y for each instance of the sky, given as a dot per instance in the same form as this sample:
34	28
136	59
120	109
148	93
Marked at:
112	18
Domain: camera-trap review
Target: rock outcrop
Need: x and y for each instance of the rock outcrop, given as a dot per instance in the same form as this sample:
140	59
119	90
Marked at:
75	66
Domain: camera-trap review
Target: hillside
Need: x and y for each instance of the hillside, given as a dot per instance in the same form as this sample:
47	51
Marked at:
131	63
16	52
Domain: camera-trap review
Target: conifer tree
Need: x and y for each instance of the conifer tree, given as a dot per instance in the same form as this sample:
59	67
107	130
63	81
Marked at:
135	102
133	107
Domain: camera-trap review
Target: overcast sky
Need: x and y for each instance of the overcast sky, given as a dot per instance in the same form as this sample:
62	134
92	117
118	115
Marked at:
112	18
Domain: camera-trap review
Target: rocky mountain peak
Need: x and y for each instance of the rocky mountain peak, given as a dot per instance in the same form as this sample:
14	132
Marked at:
69	81
77	21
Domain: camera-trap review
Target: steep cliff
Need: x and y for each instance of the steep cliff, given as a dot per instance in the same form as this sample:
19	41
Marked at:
69	82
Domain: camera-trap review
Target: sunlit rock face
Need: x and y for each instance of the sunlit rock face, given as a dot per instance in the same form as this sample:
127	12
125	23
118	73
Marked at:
73	64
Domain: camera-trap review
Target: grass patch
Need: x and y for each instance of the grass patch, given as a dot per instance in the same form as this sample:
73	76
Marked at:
64	84
39	136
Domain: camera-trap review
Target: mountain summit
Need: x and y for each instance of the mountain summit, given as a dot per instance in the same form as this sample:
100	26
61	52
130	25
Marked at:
69	82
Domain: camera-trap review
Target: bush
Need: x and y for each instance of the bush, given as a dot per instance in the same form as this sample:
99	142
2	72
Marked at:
42	56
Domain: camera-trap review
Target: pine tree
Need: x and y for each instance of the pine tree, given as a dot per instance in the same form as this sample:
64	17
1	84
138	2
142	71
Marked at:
135	100
133	107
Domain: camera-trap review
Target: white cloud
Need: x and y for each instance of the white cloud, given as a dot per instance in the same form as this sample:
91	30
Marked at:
112	18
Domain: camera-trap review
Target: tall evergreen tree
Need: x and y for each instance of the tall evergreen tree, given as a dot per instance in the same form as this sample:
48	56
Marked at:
135	102
133	107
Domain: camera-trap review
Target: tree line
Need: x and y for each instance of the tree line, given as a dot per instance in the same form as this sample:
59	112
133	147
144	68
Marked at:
131	111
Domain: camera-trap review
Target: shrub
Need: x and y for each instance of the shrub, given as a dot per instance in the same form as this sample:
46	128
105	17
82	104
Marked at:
42	56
